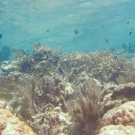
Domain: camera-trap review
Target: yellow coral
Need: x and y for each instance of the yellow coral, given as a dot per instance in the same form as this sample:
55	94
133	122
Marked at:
10	124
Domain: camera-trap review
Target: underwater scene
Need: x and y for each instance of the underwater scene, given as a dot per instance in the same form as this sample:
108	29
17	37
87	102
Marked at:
67	67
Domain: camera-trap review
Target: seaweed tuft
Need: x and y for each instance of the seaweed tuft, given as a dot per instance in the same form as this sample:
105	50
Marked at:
87	109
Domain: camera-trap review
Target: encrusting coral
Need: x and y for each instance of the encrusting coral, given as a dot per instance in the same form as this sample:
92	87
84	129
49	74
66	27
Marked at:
117	130
120	120
122	115
11	125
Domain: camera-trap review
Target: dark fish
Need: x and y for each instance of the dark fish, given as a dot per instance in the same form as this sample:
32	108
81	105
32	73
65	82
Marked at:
130	32
0	36
76	31
4	70
47	31
106	39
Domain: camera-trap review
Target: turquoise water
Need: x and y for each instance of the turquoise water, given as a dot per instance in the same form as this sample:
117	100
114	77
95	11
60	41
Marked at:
53	23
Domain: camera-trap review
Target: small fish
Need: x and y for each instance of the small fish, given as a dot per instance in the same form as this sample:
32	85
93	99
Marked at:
106	39
133	28
129	21
4	70
47	31
0	36
76	31
130	33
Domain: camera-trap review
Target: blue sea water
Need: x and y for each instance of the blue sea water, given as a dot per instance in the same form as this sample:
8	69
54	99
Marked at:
53	23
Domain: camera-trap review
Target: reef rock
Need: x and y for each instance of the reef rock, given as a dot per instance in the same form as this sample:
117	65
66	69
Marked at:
117	130
122	115
115	95
10	124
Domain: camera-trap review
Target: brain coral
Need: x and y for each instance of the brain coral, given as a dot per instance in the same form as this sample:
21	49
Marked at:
122	115
11	125
117	130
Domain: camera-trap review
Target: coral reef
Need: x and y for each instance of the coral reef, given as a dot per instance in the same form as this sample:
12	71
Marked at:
31	98
68	94
10	124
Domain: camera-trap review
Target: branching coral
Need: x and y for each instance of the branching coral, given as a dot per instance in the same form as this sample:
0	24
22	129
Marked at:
43	61
47	54
103	65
